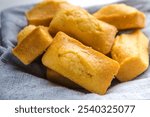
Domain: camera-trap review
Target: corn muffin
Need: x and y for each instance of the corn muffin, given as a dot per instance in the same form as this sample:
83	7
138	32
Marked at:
59	79
25	32
81	64
79	24
131	51
33	45
122	16
42	13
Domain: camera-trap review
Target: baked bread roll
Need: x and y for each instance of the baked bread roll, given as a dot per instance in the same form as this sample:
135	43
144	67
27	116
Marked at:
59	79
81	64
33	45
131	51
42	13
78	23
25	32
122	16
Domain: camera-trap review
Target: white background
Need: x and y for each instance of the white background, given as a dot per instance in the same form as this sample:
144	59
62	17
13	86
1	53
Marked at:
7	108
10	3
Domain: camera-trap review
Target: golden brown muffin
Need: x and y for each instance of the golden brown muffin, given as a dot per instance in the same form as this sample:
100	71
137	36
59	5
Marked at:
78	23
59	79
25	32
42	13
131	51
81	64
121	16
33	45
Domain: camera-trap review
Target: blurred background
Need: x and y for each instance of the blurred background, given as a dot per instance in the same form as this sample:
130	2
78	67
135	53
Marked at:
84	3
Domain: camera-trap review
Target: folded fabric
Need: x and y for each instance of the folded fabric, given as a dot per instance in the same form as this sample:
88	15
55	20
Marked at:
18	81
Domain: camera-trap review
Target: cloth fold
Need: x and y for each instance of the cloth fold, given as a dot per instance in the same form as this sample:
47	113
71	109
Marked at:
18	81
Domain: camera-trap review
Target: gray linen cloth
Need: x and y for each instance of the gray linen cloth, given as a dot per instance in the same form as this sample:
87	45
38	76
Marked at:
18	81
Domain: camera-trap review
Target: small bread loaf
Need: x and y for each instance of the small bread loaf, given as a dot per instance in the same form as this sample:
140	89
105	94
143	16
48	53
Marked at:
42	13
78	23
131	51
25	32
122	16
59	79
81	64
33	45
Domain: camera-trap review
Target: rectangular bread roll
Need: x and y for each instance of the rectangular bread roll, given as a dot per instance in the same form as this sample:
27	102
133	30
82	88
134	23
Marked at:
42	13
78	23
81	64
122	16
33	45
59	79
131	51
25	32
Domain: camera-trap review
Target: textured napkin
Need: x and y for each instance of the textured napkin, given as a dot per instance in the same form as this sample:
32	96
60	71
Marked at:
18	81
